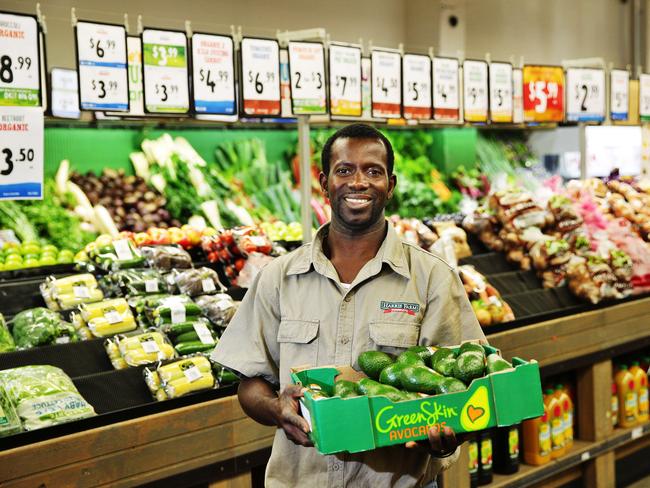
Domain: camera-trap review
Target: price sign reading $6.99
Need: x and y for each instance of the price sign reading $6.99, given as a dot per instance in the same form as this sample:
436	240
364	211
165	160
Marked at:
166	86
213	74
260	63
543	93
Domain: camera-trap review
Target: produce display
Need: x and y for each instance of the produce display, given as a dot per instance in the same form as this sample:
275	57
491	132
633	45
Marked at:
486	301
30	254
138	350
106	318
109	255
178	378
166	257
219	308
41	396
7	343
41	327
134	282
191	336
197	281
71	291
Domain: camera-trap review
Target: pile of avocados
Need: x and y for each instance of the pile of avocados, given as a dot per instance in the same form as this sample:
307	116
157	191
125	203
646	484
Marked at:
419	371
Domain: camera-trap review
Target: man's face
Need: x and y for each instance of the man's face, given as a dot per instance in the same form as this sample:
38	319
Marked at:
358	184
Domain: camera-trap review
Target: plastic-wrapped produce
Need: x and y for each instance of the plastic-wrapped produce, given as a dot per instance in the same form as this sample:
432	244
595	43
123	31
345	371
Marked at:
489	307
139	349
71	291
173	309
219	308
166	257
108	318
192	336
6	341
9	421
178	378
44	396
40	327
131	282
200	281
119	254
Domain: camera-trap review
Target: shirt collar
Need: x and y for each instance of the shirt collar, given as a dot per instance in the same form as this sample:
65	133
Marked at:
391	252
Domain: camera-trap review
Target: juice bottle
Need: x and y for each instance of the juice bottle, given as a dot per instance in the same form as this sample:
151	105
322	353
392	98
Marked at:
557	423
614	405
506	450
485	457
567	414
537	440
641	384
472	447
627	397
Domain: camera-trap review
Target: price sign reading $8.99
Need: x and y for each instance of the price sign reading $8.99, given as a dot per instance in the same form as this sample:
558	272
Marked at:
543	93
20	83
260	77
213	74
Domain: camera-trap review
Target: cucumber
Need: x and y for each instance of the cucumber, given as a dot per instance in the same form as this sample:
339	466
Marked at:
185	348
180	328
190	309
187	337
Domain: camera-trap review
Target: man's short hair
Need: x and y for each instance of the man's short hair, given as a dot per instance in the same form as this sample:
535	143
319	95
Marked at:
357	131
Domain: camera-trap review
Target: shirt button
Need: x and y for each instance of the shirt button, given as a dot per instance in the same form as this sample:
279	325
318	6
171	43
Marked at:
344	340
336	467
348	298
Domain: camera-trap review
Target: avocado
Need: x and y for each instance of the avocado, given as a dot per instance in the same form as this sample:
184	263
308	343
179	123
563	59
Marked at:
468	366
420	378
409	358
440	354
424	352
445	366
451	385
372	362
372	388
496	363
390	375
345	389
471	346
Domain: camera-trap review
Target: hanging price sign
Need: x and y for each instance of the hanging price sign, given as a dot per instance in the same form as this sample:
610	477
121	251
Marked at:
136	90
386	84
543	93
446	101
585	95
166	86
345	80
517	96
101	64
213	74
475	91
260	79
619	94
416	90
307	74
501	92
644	97
20	77
65	94
21	153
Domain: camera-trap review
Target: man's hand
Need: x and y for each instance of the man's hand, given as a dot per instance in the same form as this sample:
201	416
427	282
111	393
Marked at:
441	443
288	418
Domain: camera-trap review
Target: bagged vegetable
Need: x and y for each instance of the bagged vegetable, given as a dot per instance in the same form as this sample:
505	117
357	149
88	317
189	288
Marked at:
66	293
173	309
9	421
192	336
6	341
119	254
108	318
219	308
166	257
40	327
200	281
139	349
178	378
131	282
44	396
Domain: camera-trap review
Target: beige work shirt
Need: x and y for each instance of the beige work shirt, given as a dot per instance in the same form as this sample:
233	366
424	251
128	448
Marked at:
297	313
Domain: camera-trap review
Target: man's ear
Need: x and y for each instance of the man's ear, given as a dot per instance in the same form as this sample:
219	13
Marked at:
392	182
322	178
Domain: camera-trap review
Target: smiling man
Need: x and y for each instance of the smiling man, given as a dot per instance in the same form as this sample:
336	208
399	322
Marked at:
356	287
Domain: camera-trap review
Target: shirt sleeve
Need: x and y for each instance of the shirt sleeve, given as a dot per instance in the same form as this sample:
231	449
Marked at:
249	344
449	318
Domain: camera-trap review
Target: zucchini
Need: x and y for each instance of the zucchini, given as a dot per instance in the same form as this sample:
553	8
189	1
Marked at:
185	348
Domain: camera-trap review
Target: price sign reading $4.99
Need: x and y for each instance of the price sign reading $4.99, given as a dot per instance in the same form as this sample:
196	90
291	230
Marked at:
101	64
166	86
260	77
20	83
585	95
345	80
543	93
213	74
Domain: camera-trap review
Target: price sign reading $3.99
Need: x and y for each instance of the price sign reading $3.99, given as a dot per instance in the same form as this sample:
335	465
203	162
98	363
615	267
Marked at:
260	77
213	74
543	93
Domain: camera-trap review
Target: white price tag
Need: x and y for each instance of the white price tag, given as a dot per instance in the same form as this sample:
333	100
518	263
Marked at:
62	340
636	432
517	96
475	91
501	92
585	456
203	332
20	77
345	80
122	249
619	94
307	72
213	74
585	94
65	95
644	96
192	374
149	345
177	312
306	415
112	316
101	62
386	84
151	286
80	291
446	101
208	285
260	62
166	85
416	91
21	153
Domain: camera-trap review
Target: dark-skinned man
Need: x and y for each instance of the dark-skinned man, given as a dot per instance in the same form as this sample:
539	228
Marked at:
330	300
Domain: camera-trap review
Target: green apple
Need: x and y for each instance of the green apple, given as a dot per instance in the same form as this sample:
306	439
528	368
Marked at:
47	261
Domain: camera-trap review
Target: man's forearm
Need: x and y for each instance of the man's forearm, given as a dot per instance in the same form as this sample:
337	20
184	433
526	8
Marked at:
259	400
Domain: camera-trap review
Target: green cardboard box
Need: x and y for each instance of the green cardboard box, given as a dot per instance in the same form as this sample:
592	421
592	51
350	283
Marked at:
363	423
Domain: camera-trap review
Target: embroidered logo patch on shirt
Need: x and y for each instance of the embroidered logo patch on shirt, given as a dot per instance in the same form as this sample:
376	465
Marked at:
400	307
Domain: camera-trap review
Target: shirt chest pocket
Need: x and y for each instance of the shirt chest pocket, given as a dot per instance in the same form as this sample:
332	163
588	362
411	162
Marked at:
298	341
393	337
